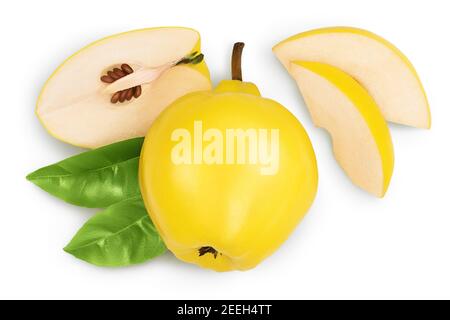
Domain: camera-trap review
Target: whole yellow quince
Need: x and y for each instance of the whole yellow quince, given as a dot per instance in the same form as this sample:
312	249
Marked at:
226	175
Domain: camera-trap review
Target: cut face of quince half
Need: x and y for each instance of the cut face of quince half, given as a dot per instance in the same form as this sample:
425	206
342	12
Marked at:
114	88
361	140
382	69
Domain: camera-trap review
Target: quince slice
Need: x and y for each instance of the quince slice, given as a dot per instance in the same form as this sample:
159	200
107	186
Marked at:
375	63
361	140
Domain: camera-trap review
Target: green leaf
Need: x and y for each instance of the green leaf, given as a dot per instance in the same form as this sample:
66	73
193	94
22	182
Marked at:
121	235
96	178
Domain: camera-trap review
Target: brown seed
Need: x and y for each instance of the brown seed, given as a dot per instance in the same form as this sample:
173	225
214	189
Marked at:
113	75
137	91
123	96
107	79
119	72
115	97
116	74
130	93
126	68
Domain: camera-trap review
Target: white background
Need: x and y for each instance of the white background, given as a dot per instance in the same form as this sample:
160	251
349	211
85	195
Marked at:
350	245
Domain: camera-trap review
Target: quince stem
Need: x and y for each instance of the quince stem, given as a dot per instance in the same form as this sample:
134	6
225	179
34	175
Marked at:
236	61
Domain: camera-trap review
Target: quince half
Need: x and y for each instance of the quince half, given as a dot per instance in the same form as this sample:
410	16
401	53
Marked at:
114	88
